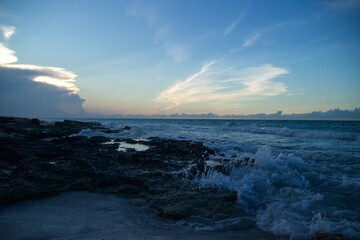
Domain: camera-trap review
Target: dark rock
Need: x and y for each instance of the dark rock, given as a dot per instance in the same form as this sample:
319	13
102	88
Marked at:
329	236
197	169
220	168
39	160
35	121
245	161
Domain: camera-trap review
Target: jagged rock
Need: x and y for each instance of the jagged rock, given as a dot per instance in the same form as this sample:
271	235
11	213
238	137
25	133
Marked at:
39	160
35	121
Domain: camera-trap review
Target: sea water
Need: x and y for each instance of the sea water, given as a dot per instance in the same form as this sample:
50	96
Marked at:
305	177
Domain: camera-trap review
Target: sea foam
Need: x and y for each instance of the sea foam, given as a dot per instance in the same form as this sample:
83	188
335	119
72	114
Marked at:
275	191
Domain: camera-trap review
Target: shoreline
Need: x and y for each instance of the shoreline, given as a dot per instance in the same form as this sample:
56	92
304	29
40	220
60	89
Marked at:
41	160
88	215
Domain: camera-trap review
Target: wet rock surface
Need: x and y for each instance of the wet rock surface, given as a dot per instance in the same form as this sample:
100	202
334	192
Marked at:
39	159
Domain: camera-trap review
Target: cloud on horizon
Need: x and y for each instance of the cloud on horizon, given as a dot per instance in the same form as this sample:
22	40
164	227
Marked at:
32	90
223	84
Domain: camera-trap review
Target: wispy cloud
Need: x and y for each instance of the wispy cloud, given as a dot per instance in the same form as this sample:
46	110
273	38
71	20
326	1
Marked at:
178	53
214	83
256	35
6	54
161	34
234	24
251	40
342	4
7	31
140	11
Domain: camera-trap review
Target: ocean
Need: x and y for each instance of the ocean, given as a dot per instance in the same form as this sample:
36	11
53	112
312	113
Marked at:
305	178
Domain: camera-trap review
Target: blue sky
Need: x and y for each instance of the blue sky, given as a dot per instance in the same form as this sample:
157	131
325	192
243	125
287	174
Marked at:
163	57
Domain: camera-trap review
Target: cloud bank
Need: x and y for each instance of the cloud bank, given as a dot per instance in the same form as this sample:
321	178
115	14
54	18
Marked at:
32	90
214	83
333	114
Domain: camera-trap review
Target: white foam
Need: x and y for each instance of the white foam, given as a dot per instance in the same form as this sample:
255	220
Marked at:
276	192
123	146
130	133
281	191
347	228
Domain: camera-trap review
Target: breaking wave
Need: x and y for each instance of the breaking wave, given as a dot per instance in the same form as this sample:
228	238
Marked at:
275	191
291	178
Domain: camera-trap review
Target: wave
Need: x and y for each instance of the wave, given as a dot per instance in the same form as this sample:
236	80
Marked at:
213	132
131	132
301	133
275	191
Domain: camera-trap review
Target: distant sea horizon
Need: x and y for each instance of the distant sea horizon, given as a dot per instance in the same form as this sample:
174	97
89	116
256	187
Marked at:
330	115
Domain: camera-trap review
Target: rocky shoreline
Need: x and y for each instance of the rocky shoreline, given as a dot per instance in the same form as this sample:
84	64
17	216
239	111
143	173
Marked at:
40	159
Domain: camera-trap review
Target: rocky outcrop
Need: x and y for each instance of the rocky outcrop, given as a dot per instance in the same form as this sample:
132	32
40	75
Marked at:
38	159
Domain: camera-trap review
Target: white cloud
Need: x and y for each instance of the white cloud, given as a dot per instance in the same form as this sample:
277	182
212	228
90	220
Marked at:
7	55
58	77
215	84
54	76
30	90
178	53
251	41
234	24
7	31
24	92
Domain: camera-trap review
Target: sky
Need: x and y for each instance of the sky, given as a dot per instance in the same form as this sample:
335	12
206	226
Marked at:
107	57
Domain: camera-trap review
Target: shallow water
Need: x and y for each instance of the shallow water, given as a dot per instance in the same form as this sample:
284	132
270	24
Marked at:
304	180
124	146
84	215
